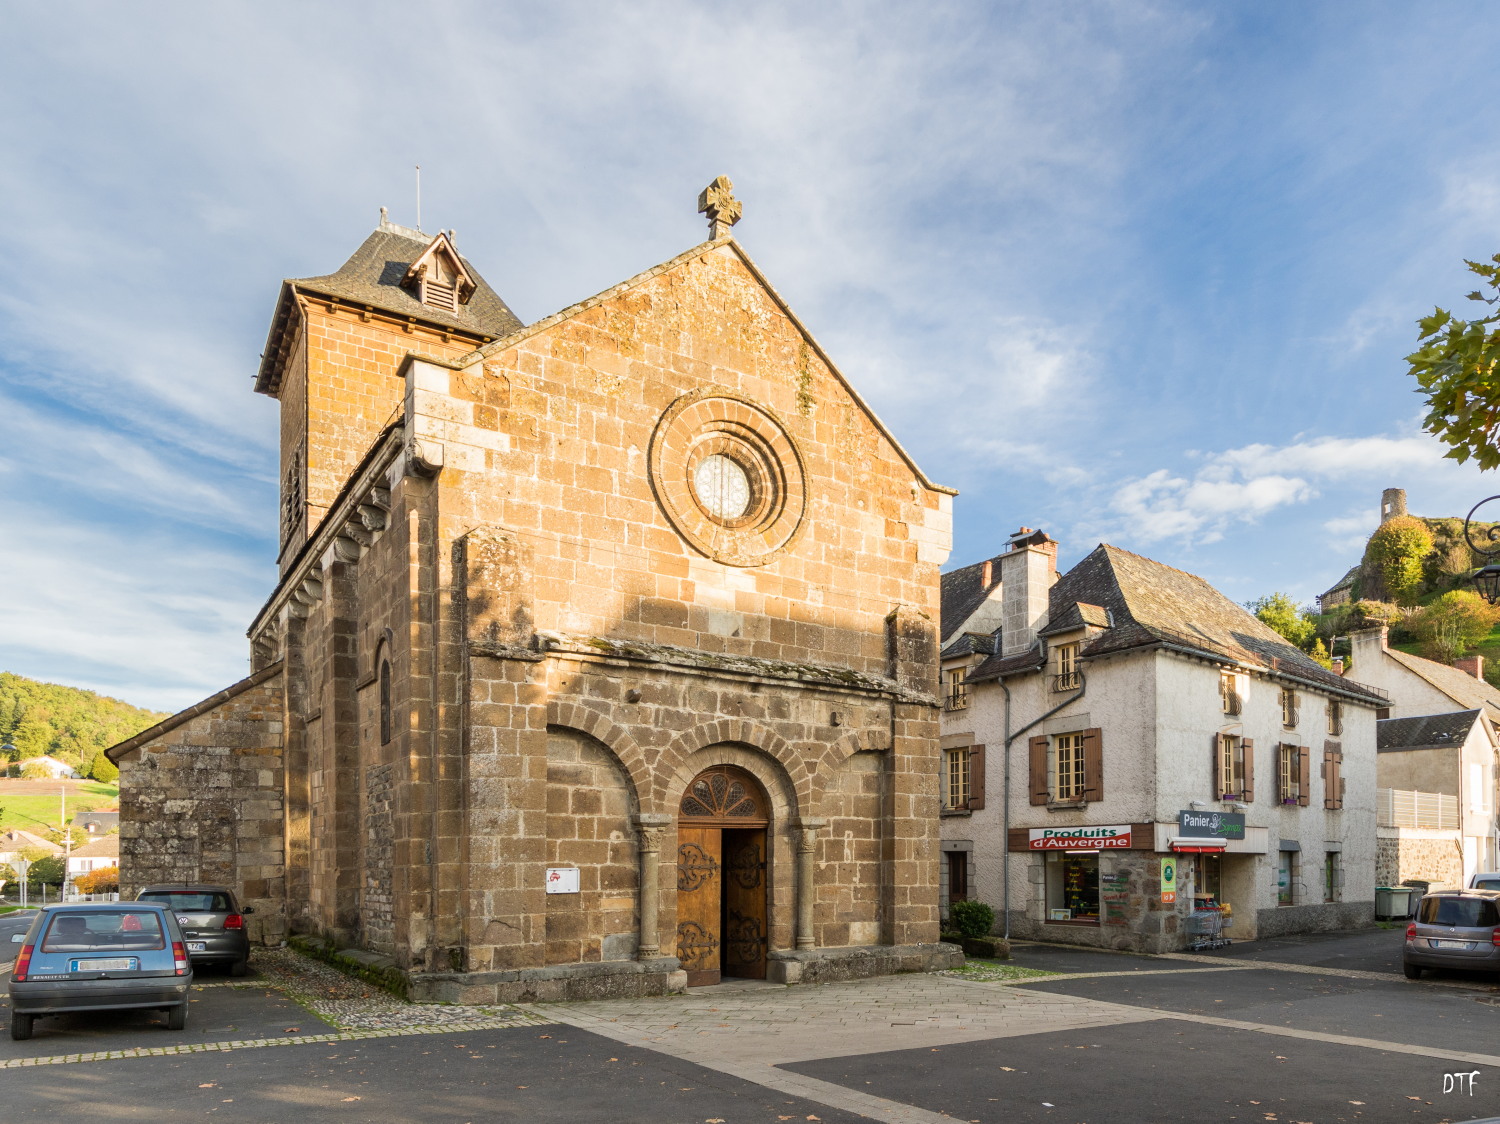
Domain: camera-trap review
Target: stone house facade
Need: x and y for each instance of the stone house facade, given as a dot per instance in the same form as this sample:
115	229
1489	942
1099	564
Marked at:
1154	728
603	658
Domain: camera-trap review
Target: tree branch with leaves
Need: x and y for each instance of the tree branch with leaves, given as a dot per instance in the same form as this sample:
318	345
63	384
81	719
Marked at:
1457	366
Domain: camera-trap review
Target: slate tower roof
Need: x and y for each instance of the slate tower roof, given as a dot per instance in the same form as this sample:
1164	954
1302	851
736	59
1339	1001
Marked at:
376	278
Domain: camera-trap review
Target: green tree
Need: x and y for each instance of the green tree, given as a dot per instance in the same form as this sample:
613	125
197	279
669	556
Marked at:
1453	624
103	769
1396	551
1283	614
1319	652
49	869
1457	368
36	771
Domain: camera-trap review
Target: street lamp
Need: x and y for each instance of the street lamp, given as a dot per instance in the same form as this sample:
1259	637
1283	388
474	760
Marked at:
1487	579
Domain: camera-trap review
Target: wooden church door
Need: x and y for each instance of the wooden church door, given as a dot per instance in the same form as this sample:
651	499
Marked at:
722	877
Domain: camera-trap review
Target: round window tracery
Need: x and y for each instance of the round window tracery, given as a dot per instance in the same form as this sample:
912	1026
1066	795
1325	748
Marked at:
728	476
723	487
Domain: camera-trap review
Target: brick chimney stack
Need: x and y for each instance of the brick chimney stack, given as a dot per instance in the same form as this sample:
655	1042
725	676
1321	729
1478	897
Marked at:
1474	665
1338	665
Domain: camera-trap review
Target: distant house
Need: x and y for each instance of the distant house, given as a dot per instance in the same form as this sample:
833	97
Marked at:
15	843
1341	593
1436	812
93	855
60	769
98	823
1454	701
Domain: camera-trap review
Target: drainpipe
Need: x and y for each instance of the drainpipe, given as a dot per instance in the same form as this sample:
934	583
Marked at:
1005	803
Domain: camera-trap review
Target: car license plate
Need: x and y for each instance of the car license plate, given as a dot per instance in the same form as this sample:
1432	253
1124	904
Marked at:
1450	944
197	946
117	964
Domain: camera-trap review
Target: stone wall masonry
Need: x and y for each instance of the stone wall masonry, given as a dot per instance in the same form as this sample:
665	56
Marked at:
1429	856
203	802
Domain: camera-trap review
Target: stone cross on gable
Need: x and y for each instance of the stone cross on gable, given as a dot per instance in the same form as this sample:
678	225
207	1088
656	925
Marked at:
717	201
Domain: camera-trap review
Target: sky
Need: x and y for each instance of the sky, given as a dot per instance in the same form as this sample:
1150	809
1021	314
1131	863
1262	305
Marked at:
1133	272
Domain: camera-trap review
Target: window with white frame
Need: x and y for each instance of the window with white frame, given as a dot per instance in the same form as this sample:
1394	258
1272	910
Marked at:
1066	677
957	683
955	778
1289	708
1068	778
1229	692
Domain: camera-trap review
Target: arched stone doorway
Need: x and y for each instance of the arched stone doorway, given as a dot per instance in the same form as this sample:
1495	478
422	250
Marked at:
722	876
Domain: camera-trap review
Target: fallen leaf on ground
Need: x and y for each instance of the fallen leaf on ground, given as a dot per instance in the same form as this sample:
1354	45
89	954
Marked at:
292	1029
1007	1069
208	1085
1356	1102
347	1099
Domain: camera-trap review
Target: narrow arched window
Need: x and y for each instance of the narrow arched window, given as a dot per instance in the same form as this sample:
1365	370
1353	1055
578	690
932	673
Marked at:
385	702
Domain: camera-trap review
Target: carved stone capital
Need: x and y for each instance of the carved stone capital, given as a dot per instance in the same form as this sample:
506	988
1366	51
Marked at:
651	827
807	833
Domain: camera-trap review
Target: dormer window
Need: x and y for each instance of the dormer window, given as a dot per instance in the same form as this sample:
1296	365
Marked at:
439	277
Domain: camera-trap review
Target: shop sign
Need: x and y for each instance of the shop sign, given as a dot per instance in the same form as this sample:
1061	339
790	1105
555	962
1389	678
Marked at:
1079	838
1214	825
1168	881
562	880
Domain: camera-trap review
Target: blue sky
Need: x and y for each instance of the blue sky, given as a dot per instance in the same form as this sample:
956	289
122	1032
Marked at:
1131	272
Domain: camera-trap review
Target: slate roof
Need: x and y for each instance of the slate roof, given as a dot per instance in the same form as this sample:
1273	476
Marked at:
1426	731
971	643
372	276
1345	582
105	820
1467	691
1151	604
963	591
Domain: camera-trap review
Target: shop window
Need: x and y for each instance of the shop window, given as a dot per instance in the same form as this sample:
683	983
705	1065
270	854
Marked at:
958	876
1286	879
1229	693
1208	880
1289	708
1073	888
1234	767
955	779
1292	781
1333	876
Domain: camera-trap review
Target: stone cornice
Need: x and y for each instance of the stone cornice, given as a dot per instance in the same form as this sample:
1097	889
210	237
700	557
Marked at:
167	725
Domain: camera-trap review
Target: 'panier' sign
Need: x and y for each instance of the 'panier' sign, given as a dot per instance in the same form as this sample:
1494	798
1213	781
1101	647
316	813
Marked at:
1079	838
1211	825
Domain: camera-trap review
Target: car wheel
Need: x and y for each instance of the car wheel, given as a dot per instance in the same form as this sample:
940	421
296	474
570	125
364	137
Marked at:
1411	971
240	968
20	1026
177	1017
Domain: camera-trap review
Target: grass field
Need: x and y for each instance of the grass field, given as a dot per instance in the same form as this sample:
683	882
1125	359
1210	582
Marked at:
34	805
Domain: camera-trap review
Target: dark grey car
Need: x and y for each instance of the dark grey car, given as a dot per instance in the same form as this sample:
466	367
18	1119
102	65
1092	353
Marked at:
213	924
1454	929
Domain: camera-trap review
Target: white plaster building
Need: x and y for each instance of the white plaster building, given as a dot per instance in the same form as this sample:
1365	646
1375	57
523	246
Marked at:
1153	725
1424	836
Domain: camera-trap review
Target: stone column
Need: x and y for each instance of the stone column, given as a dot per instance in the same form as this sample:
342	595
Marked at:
807	842
651	826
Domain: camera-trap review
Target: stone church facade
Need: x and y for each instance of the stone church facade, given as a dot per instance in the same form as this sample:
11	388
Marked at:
603	656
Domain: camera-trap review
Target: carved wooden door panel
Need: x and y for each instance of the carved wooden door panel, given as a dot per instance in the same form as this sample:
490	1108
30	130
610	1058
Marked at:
700	886
744	937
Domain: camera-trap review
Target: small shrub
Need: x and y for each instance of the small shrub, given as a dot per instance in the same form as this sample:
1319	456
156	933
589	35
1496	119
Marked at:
972	919
105	880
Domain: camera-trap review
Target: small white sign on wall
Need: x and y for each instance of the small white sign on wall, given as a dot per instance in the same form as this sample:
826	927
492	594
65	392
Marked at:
562	880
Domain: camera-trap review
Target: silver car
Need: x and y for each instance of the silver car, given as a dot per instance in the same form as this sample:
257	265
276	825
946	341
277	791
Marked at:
1454	929
213	924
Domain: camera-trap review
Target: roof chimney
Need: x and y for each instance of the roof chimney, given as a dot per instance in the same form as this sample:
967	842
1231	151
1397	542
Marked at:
1474	665
1027	572
987	575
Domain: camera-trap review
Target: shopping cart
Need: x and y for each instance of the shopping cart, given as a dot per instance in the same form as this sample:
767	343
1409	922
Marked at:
1205	929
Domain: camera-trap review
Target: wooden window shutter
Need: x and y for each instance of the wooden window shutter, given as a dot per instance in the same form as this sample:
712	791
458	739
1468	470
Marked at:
1338	772
976	777
1216	773
1093	764
1038	747
1248	795
1330	781
1304	774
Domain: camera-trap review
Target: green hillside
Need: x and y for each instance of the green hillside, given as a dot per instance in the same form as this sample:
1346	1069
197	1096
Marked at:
68	723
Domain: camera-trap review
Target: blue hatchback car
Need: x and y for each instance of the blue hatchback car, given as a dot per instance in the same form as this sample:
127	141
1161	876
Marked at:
100	957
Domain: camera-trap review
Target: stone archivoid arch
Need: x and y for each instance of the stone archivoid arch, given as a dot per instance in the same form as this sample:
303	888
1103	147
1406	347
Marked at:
629	754
681	760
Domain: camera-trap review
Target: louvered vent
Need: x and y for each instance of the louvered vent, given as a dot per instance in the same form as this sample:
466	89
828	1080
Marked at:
439	295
